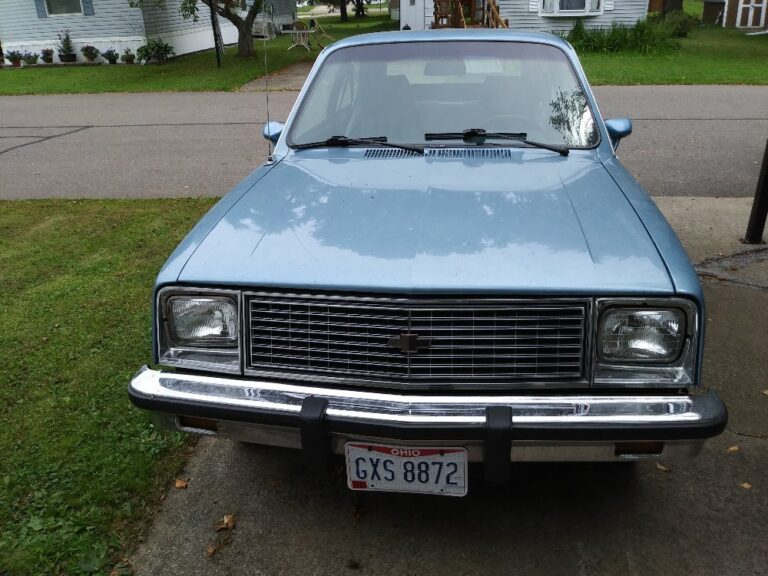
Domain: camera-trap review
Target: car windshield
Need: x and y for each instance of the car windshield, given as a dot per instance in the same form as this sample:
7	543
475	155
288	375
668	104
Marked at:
403	91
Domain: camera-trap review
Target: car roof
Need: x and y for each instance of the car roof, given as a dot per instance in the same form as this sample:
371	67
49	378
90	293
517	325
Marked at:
452	34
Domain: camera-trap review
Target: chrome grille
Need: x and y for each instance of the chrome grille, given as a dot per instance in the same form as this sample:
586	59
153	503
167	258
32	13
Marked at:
470	341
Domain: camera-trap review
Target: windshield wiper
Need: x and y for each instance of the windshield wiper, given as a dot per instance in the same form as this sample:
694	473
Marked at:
478	136
344	141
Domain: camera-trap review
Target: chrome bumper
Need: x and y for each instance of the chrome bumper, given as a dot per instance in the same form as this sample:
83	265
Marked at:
270	413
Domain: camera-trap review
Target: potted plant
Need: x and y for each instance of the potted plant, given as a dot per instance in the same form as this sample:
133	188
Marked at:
155	50
65	48
47	55
128	56
110	55
30	58
15	57
90	52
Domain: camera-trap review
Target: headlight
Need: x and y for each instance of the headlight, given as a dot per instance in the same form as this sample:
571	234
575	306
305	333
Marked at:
208	322
641	335
651	342
199	330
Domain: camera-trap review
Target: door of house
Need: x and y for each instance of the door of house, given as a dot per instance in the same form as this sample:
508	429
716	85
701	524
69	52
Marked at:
751	14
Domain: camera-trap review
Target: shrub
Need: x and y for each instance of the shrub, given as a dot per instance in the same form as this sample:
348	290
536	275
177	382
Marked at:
64	45
14	55
155	49
90	52
678	22
647	36
30	57
128	56
110	55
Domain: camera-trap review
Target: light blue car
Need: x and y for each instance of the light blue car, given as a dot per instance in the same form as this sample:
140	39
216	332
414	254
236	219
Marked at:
442	262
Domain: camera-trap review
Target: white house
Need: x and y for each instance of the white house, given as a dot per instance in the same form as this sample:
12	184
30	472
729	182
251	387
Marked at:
539	15
31	25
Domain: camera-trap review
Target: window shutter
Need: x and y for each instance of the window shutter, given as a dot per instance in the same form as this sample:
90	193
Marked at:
609	5
41	11
533	5
88	7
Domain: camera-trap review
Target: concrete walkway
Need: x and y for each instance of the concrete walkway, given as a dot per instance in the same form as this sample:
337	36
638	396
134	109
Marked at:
289	79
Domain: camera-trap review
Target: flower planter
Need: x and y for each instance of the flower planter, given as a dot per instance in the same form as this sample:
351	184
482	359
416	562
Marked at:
113	61
16	63
68	57
48	59
129	60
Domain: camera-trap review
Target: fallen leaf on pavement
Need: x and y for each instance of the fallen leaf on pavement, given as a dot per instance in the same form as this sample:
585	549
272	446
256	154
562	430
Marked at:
746	485
210	551
765	391
181	484
733	449
227	523
661	467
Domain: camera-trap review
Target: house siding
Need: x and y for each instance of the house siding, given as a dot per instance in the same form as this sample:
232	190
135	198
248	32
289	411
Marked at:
162	22
524	15
283	11
626	12
20	23
185	34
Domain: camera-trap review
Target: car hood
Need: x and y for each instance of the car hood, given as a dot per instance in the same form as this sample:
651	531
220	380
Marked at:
527	223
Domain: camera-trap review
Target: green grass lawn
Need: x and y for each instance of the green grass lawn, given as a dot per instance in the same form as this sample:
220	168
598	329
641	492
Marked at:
707	56
191	72
694	7
81	469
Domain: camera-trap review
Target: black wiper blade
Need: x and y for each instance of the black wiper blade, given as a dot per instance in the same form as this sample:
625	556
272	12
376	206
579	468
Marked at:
472	134
343	141
478	136
340	141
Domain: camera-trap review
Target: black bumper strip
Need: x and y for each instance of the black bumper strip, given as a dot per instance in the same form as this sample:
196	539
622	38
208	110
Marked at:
315	442
498	444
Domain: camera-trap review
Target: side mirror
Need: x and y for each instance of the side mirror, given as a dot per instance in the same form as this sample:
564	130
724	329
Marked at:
272	131
618	128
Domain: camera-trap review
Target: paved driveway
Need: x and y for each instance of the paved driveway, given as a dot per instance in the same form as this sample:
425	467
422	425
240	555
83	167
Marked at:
689	518
688	141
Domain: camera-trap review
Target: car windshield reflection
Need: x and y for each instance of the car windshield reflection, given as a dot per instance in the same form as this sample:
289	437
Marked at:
404	91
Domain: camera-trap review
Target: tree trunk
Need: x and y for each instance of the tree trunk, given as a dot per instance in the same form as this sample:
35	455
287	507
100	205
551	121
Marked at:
244	25
245	38
343	10
359	8
671	6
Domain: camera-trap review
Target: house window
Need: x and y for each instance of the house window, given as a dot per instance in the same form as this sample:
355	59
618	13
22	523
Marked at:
571	7
63	7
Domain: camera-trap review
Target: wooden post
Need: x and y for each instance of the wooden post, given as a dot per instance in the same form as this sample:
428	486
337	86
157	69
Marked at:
757	217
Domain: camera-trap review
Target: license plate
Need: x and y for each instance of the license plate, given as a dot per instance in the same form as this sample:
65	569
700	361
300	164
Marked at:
388	468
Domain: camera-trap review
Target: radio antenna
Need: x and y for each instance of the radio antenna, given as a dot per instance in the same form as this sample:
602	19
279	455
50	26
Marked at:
267	31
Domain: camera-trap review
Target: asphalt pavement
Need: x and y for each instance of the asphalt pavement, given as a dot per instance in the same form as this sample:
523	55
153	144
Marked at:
688	140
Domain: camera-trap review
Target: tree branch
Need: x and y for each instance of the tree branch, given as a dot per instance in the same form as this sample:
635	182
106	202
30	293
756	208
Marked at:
254	10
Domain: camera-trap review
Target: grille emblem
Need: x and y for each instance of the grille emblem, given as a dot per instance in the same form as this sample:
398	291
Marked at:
409	343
